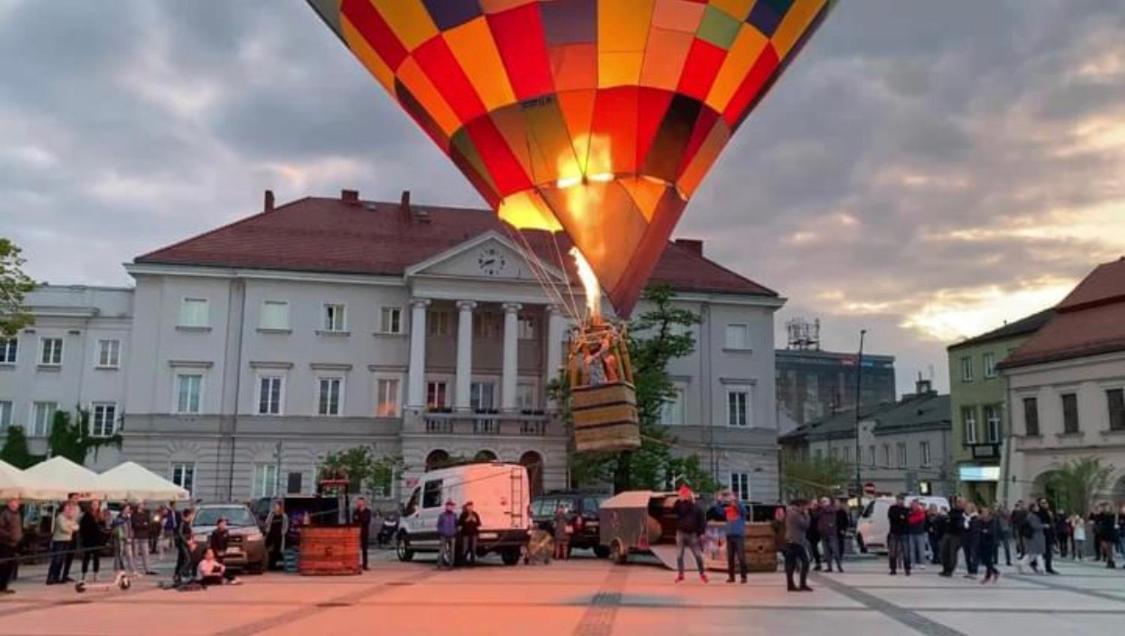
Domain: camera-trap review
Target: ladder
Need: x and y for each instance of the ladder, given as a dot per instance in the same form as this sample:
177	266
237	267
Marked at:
515	485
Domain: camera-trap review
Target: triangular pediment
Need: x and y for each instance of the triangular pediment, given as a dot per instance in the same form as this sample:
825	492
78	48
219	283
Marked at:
488	256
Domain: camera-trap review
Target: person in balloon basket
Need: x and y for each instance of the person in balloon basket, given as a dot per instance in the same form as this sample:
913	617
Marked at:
447	533
362	518
690	526
796	539
733	514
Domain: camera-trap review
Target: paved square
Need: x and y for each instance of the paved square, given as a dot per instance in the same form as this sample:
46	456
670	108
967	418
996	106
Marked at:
585	597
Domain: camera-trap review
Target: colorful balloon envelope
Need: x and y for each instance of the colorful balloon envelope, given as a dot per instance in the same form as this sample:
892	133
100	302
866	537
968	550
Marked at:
599	118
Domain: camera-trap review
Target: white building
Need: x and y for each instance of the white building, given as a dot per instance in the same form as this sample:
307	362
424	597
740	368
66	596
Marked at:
322	324
1066	388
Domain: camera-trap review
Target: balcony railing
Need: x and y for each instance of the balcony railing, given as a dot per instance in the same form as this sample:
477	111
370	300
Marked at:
492	422
987	450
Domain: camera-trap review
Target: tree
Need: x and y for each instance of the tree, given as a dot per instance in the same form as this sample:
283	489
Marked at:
365	471
73	440
817	477
15	450
14	285
1074	486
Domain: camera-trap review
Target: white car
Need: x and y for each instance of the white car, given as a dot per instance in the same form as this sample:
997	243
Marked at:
873	526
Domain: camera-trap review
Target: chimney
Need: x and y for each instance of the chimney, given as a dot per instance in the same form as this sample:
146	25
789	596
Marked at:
923	387
404	203
351	197
694	245
268	205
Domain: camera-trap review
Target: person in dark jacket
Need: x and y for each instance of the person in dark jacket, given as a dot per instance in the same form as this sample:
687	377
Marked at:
796	537
447	534
951	539
989	529
898	517
1034	540
142	525
936	520
469	523
1105	531
829	537
1063	534
11	533
277	530
843	522
92	534
1048	519
733	514
970	541
1018	517
690	526
362	518
813	537
185	546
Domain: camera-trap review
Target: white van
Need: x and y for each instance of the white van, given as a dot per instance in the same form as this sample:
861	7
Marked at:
500	495
873	526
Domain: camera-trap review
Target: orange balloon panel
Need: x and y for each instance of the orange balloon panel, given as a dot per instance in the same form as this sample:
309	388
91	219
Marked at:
598	118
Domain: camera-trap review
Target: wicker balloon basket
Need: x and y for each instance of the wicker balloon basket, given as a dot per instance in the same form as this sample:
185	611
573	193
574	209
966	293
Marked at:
603	401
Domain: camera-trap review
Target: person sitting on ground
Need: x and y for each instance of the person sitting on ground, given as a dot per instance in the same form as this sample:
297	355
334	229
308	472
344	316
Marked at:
211	571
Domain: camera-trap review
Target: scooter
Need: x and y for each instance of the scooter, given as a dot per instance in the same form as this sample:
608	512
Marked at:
120	580
387	533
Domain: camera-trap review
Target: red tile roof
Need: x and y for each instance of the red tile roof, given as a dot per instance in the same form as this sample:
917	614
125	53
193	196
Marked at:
317	234
1089	321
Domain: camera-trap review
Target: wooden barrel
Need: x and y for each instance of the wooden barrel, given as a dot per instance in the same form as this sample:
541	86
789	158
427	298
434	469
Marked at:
605	417
761	549
329	550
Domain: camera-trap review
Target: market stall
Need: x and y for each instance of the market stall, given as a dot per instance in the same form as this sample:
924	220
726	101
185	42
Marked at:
132	482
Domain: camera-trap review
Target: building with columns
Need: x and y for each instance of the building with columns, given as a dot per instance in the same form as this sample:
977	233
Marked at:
257	348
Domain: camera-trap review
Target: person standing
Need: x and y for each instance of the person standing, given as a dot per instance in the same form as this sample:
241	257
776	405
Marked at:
813	537
91	537
277	528
469	523
843	523
185	546
898	517
829	537
171	522
1003	534
66	524
562	533
690	525
970	541
951	540
1062	533
1078	531
917	538
796	536
142	527
1048	519
1106	533
362	518
1019	516
733	514
11	533
447	533
989	532
936	522
1034	541
121	528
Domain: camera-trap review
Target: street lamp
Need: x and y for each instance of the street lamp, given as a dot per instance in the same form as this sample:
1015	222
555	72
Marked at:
858	382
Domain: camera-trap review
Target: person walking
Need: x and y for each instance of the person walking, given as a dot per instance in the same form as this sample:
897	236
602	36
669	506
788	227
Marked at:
989	528
814	532
1106	533
829	537
1003	534
1078	531
277	529
185	547
362	518
951	540
733	514
66	525
970	541
11	533
469	523
91	538
917	541
1048	519
690	525
447	533
1034	541
796	536
142	531
898	516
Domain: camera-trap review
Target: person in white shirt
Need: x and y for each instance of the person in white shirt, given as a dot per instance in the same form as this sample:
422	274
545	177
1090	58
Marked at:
211	572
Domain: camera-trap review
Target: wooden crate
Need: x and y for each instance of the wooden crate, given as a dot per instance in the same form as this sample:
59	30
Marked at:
329	550
761	548
605	418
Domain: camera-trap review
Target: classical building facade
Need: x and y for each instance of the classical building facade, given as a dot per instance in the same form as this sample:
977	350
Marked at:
1066	389
256	349
978	404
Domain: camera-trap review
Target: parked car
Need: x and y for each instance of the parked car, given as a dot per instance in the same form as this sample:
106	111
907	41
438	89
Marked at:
581	516
873	526
499	493
246	549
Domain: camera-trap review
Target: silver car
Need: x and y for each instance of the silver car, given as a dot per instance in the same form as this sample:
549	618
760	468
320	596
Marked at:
246	546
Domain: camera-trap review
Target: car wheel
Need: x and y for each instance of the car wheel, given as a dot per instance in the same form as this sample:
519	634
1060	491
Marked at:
617	553
510	556
402	548
601	551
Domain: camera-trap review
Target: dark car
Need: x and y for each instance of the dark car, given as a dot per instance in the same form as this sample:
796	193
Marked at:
581	515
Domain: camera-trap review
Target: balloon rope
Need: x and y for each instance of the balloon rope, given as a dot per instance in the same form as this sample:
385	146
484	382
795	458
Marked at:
563	268
537	269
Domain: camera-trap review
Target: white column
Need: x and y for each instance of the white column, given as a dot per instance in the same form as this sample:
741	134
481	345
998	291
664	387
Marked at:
464	382
511	357
555	325
416	380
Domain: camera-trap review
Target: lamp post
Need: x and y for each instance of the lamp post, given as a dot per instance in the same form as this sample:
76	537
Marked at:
858	383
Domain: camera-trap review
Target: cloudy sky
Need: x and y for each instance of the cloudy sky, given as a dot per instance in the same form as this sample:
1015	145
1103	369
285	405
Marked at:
926	170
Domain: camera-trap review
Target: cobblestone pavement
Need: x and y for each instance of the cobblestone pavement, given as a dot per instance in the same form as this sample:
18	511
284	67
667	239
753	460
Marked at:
586	597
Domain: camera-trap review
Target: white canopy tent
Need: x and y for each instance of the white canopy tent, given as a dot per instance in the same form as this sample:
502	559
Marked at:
12	481
17	483
58	477
132	482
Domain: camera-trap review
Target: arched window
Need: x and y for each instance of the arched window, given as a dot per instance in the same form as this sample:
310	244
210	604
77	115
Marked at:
437	459
533	461
485	456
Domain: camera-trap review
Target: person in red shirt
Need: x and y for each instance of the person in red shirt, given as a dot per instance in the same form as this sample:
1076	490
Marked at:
918	539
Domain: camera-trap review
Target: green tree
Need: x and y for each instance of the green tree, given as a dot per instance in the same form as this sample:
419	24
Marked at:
15	450
1074	486
14	285
73	439
815	477
365	470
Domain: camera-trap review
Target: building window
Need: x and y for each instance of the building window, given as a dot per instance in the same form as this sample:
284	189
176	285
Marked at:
437	322
1031	417
265	480
188	392
390	320
194	312
924	451
329	392
386	397
50	351
1070	413
183	475
969	424
103	421
886	455
8	349
275	315
902	454
738	407
525	396
989	360
992	424
848	454
437	394
871	455
834	453
109	354
1115	400
527	327
966	369
335	317
672	412
5	415
481	396
738	337
487	325
269	394
42	418
293	483
740	486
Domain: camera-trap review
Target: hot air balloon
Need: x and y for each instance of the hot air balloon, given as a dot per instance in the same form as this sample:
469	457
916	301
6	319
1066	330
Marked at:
594	118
